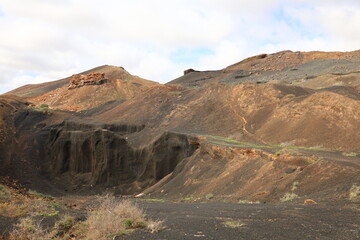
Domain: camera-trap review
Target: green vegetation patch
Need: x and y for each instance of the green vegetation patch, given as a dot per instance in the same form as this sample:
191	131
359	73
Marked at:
51	212
41	195
43	108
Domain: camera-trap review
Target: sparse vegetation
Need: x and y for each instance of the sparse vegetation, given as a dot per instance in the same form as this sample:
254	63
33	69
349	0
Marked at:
349	154
29	229
288	197
228	142
248	202
64	225
43	108
278	153
12	210
152	200
294	186
175	93
289	96
44	105
209	196
41	195
4	193
234	224
354	192
112	217
155	226
189	199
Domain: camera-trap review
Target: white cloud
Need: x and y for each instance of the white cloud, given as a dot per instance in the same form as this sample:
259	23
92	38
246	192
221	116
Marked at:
46	40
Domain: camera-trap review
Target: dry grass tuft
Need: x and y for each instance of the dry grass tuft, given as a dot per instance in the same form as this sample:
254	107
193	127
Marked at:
28	229
354	192
155	226
288	197
113	217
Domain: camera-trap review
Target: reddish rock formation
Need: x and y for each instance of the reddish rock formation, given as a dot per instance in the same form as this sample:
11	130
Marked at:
79	80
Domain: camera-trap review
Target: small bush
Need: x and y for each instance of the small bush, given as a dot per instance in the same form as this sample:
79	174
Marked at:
234	224
4	193
354	192
12	210
113	217
295	186
63	226
44	105
349	154
288	197
155	226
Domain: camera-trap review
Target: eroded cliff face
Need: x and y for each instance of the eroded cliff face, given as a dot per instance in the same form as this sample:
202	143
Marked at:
88	155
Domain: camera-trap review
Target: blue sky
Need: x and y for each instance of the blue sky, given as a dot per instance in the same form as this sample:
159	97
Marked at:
48	40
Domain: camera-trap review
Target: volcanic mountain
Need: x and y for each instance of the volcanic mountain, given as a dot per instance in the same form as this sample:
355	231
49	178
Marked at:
116	84
274	127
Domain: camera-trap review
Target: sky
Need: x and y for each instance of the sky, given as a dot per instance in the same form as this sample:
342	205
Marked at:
46	40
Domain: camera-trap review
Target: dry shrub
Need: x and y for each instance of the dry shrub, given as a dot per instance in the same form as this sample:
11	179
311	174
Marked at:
154	226
112	218
27	206
288	197
63	226
39	207
4	193
12	210
354	192
28	229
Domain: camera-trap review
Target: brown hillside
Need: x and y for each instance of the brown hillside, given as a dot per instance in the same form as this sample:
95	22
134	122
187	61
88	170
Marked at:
265	113
285	67
120	85
286	59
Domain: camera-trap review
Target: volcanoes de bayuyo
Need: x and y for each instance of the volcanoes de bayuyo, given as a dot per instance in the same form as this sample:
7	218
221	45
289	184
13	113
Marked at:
269	128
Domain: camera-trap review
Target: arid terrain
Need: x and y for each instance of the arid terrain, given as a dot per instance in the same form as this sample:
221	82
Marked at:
266	148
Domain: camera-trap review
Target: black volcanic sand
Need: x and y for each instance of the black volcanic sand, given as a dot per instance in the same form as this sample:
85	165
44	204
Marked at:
258	221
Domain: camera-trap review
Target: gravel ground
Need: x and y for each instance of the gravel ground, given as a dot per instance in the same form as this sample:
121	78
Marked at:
250	221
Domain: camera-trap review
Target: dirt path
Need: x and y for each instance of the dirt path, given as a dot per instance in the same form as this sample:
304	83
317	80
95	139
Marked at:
250	221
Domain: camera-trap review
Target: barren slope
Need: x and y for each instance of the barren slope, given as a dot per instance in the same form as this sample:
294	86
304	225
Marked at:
120	85
284	67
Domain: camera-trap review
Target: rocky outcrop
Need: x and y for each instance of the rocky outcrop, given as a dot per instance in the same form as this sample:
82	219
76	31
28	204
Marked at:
79	80
101	155
188	71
